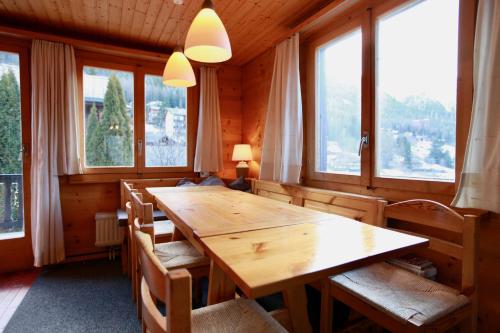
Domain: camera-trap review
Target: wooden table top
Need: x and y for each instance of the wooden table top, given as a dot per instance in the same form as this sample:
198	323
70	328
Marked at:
214	210
262	262
266	246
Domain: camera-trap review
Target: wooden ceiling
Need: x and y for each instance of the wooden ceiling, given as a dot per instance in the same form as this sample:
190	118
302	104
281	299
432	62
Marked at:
253	25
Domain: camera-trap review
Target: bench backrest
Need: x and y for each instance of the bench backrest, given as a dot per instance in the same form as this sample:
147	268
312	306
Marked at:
142	183
358	207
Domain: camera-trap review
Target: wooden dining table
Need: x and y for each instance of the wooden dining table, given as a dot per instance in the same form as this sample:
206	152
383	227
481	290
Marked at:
265	246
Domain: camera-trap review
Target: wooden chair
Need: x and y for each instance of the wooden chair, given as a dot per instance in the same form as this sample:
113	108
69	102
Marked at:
172	255
173	287
402	301
164	228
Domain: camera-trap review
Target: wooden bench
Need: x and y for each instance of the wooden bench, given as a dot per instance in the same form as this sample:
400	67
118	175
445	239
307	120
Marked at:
358	207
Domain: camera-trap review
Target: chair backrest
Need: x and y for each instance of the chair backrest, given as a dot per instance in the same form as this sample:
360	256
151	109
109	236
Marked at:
130	213
142	210
143	216
433	215
127	189
171	287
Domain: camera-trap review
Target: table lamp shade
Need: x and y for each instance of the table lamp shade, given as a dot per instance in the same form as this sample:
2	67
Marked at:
242	152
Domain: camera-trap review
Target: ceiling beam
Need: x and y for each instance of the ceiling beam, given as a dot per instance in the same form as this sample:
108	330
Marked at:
85	43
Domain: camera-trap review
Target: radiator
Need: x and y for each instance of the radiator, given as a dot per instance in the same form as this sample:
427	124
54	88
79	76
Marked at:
107	231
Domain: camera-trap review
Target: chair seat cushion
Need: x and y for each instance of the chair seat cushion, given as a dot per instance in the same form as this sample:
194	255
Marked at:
179	254
404	296
240	315
163	228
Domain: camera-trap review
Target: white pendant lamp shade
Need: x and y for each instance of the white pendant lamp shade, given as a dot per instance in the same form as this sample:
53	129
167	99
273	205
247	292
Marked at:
207	39
178	71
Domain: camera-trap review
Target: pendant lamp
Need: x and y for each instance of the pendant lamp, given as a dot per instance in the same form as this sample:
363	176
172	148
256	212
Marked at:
207	39
178	71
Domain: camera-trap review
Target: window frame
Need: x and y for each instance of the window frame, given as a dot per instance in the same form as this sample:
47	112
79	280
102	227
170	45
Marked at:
191	121
368	178
419	185
139	69
22	244
337	32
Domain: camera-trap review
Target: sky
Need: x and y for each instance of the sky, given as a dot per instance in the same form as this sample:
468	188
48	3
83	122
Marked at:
417	46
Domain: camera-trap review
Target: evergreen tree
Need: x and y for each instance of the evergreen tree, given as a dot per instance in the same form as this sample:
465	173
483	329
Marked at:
438	156
92	124
10	125
112	139
407	152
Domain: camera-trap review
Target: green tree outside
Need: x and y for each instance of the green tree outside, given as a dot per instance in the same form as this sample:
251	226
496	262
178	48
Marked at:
111	141
92	124
10	125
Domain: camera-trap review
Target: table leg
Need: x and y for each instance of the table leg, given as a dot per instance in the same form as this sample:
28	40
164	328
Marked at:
296	302
177	235
326	307
220	287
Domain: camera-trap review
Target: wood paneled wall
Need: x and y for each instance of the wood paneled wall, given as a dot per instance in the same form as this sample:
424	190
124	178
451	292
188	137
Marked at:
79	203
256	84
489	275
231	114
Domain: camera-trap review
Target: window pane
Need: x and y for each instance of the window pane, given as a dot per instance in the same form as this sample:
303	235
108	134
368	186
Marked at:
166	123
416	91
338	105
109	117
11	164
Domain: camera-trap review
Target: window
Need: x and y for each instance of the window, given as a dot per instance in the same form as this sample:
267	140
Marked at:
338	105
165	124
416	75
109	117
382	105
131	121
11	162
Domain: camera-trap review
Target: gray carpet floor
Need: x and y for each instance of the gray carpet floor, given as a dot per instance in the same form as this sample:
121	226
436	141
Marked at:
82	297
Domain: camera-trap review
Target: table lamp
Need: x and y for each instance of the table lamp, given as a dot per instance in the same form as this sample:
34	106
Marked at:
242	153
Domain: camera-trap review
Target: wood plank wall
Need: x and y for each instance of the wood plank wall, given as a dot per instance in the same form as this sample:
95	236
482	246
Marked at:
231	114
256	76
80	201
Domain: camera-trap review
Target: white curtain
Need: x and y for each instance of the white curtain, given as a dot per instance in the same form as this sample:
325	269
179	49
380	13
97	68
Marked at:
480	181
208	157
283	133
54	144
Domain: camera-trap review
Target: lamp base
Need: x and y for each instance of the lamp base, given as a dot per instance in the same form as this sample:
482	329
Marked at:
242	169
